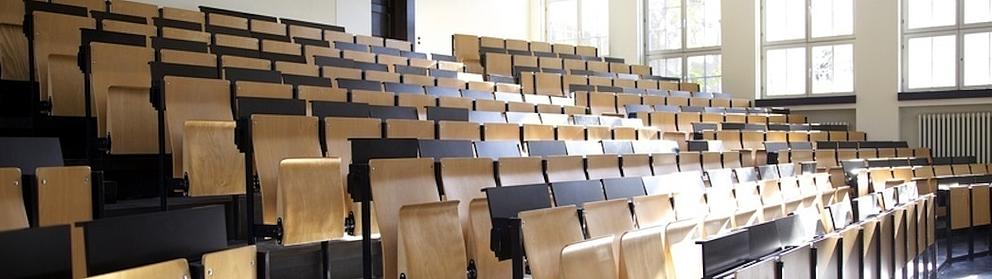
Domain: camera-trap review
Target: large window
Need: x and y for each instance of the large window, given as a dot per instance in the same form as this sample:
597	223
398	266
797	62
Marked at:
579	22
683	40
946	44
808	47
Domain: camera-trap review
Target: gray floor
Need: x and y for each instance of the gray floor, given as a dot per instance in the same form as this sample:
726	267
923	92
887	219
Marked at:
977	267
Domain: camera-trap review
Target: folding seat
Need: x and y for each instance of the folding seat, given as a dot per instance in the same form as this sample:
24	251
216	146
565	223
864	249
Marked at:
396	183
198	119
547	232
14	214
309	191
55	49
274	138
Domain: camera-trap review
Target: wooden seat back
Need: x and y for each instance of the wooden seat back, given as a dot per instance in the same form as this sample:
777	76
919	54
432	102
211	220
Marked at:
193	99
546	232
275	138
520	171
395	183
564	168
232	263
463	180
56	45
682	253
177	268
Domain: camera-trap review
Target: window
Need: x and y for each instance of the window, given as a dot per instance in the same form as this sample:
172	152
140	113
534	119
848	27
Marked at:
946	45
579	22
808	47
683	40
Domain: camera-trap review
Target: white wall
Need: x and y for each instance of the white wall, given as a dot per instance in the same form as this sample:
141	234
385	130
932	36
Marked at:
354	15
876	68
626	30
739	29
437	20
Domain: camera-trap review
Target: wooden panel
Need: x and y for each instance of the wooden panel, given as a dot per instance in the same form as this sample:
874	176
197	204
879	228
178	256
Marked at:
563	48
271	46
463	180
177	268
538	132
586	51
684	256
377	98
570	132
193	99
359	56
665	121
486	263
231	263
97	5
13	43
466	47
607	218
268	27
134	8
664	163
120	92
188	58
603	166
407	129
653	210
564	168
335	73
212	164
317	93
642	253
309	191
520	171
263	90
501	132
851	252
13	214
593	259
369	40
235	41
979	205
228	21
278	137
182	15
499	64
520	107
457	130
397	44
185	35
451	83
636	165
828	256
597	133
297	31
546	232
429	232
64	197
647	133
395	183
418	80
335	36
245	63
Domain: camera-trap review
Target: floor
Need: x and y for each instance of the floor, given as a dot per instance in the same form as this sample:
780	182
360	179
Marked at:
977	267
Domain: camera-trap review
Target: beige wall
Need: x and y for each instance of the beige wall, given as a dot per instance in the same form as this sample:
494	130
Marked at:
322	11
741	70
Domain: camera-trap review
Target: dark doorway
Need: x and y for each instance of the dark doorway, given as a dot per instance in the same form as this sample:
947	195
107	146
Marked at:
393	19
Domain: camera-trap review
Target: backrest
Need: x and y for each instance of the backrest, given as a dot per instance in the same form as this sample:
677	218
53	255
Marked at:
545	233
274	138
594	258
643	253
462	180
520	171
394	184
653	210
178	268
604	218
603	166
683	255
193	99
564	168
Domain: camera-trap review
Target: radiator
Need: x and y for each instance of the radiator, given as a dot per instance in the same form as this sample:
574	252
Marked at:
957	134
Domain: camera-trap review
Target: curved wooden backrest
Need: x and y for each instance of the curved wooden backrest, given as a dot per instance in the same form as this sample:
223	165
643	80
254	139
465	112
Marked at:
458	130
603	166
537	132
721	201
120	80
593	259
56	46
604	218
642	253
771	194
664	163
545	233
177	268
712	160
653	210
636	165
13	214
682	253
407	129
665	121
716	225
520	171
487	265
564	168
690	161
689	204
748	196
501	131
430	241
463	180
232	263
193	99
278	137
311	200
395	183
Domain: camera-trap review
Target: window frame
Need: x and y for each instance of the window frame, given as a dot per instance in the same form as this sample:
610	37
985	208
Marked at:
807	42
578	25
684	52
959	29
